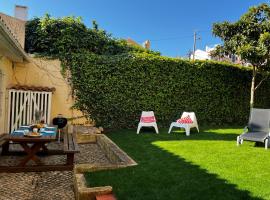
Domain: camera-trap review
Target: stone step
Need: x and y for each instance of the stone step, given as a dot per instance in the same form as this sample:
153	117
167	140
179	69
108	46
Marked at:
105	197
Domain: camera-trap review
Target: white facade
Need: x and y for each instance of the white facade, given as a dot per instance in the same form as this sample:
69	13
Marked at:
203	55
206	55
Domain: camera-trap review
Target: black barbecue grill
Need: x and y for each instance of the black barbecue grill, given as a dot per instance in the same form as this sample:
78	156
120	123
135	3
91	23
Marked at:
60	122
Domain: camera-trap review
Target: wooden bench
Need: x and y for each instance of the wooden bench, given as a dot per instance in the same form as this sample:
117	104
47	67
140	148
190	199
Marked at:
2	139
70	148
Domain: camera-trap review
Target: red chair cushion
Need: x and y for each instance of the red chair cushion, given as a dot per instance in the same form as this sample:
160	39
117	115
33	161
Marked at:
105	197
148	119
185	120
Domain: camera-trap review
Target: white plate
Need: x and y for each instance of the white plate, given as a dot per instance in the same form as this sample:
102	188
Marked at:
31	135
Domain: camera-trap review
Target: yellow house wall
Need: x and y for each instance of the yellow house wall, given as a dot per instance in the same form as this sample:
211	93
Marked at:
47	73
6	74
38	72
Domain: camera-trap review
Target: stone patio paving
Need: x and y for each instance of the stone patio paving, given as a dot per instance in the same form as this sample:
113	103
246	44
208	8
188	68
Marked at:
55	185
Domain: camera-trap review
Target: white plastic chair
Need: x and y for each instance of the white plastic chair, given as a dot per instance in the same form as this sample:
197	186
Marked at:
147	124
188	126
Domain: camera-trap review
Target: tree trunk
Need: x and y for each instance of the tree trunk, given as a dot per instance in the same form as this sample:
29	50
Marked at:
252	89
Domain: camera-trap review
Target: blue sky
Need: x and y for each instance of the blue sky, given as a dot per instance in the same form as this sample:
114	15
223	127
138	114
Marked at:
169	25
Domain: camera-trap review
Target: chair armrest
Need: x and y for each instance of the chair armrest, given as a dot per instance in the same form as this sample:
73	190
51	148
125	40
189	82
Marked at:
245	129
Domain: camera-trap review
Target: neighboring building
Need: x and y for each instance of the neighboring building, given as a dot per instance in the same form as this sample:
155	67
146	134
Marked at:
206	55
27	83
132	42
201	55
146	44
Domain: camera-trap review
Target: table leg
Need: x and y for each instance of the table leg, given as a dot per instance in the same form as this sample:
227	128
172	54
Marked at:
5	148
70	159
45	149
31	151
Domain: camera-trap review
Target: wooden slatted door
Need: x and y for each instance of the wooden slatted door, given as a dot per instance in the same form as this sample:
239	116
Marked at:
23	105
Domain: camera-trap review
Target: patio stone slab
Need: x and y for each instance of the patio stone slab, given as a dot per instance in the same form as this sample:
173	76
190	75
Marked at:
54	185
17	185
37	186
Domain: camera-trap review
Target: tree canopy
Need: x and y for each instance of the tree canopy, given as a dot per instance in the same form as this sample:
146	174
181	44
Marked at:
249	38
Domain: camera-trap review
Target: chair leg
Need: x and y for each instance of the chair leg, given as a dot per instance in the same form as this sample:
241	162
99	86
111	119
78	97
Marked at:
187	131
156	128
139	128
266	143
170	129
238	140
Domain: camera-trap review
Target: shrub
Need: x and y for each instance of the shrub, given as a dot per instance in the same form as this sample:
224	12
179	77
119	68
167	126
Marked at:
114	90
57	37
113	82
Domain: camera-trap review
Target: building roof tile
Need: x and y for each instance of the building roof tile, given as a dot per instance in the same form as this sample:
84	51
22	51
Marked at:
13	37
32	88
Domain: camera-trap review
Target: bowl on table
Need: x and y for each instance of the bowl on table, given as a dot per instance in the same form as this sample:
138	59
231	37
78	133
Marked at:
33	134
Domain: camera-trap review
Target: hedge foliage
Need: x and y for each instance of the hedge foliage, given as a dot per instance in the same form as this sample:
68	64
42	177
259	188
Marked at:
58	37
115	89
113	82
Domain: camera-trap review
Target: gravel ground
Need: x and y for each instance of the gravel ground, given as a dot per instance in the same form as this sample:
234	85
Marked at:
55	185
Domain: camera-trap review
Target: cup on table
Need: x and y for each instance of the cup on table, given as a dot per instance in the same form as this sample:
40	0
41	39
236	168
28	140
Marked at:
35	130
26	131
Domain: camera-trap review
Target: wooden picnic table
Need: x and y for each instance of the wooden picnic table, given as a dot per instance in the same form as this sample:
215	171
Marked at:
33	147
30	145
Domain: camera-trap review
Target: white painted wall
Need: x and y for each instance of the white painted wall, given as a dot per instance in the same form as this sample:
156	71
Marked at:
201	55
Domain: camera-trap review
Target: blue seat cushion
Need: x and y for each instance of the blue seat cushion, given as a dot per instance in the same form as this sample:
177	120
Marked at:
48	133
24	128
18	132
50	128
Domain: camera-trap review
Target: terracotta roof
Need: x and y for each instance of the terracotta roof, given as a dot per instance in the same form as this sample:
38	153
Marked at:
32	88
13	37
132	42
9	30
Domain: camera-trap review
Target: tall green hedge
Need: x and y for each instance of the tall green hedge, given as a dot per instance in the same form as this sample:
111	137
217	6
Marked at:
114	82
114	90
57	37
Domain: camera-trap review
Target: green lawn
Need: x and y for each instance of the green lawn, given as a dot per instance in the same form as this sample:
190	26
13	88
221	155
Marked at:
207	165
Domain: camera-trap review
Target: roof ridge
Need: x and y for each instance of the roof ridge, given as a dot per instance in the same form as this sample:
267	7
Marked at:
12	37
9	29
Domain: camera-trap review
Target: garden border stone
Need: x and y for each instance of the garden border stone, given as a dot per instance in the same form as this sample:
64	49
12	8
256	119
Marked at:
117	157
